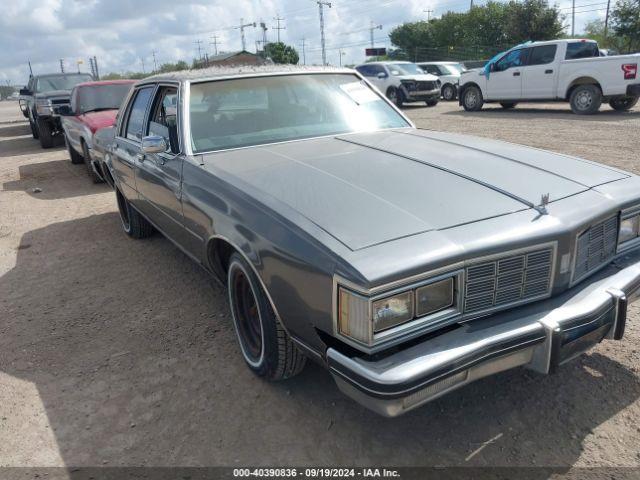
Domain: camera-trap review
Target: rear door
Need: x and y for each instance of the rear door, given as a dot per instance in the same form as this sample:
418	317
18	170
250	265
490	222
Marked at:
159	175
128	140
540	75
505	80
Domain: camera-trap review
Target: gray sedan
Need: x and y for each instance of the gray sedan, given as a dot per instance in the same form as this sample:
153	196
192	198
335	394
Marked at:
407	262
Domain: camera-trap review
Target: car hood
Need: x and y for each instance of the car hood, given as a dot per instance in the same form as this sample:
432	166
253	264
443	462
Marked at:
427	77
370	188
97	120
54	93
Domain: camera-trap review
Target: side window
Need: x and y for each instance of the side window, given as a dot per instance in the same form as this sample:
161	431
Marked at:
543	54
135	120
163	120
432	69
582	50
512	59
365	70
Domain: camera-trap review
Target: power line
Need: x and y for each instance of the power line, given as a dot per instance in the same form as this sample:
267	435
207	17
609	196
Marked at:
321	4
278	27
214	43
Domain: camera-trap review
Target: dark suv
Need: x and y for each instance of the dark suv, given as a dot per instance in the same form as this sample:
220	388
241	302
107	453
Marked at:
42	97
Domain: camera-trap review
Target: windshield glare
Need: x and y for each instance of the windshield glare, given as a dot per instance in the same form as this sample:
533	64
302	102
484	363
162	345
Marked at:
253	111
100	97
61	82
399	69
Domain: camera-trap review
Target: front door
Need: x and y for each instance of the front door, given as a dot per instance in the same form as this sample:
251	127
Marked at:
505	79
128	143
159	175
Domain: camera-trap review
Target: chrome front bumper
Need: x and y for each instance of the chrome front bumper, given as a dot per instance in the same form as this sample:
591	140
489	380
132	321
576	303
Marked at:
540	336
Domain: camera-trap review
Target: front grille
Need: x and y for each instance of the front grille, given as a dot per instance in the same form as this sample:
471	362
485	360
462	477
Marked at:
596	246
508	280
426	86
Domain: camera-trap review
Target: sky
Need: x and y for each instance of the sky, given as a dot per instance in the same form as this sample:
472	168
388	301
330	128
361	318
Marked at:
123	34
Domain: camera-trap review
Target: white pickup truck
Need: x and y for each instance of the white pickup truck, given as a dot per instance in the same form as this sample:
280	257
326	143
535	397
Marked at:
560	70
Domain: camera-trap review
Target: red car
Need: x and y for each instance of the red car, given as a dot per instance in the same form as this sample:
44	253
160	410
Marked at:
94	105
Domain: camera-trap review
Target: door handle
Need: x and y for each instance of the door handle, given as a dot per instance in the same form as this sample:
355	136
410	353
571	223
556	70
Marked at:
140	157
548	71
516	74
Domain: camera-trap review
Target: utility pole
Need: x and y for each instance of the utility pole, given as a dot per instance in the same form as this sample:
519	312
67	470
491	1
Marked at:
341	54
241	27
429	12
30	69
93	72
304	53
95	65
471	5
155	63
264	28
61	65
278	28
606	19
573	18
371	29
142	61
199	44
321	4
214	43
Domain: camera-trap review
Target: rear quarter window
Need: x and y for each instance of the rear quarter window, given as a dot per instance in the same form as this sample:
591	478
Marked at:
582	50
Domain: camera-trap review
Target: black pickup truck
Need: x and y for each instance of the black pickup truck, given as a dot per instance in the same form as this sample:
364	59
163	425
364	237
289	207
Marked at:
42	97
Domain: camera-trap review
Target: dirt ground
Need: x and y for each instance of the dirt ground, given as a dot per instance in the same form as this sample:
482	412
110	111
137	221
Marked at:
121	352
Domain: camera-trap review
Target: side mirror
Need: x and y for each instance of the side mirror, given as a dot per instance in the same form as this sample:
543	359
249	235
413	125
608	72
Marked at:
154	144
25	91
65	111
382	75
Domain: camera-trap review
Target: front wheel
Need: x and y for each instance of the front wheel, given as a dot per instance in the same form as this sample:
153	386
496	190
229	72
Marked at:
46	133
472	99
448	92
623	104
432	102
133	224
87	160
508	105
585	100
34	130
75	157
266	347
395	96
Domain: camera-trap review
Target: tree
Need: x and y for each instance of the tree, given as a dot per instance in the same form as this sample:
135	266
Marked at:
625	23
532	20
173	67
281	53
595	31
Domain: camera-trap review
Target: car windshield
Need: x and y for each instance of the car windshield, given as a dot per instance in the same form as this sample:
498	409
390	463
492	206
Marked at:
452	69
61	82
399	69
101	97
261	110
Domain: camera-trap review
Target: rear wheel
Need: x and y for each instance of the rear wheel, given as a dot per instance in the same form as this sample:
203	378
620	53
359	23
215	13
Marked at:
472	99
87	160
508	105
432	102
622	104
448	92
134	224
266	347
46	133
585	99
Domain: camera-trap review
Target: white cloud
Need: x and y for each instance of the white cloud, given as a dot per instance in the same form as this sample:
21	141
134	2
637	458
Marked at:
123	33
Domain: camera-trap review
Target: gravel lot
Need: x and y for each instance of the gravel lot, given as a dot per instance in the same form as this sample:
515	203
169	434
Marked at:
121	352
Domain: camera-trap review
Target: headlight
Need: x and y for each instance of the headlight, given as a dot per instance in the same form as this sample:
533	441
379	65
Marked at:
371	320
628	229
391	311
43	106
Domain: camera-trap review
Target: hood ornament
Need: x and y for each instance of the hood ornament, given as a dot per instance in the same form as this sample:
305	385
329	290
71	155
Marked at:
544	201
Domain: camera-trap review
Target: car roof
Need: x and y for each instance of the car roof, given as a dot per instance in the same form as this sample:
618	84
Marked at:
244	71
439	63
75	74
387	62
106	82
